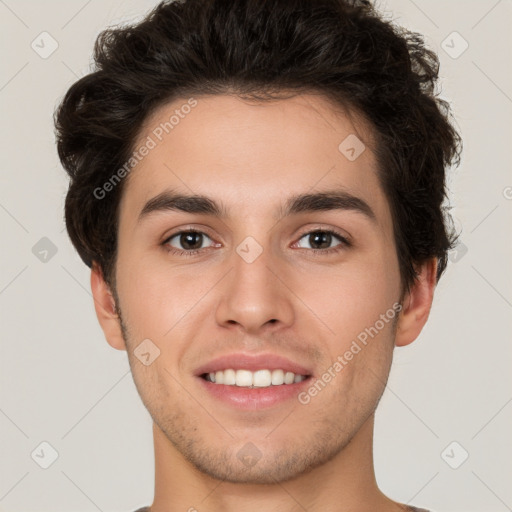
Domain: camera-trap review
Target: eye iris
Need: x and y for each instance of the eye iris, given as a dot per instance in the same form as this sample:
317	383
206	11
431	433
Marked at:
186	240
322	238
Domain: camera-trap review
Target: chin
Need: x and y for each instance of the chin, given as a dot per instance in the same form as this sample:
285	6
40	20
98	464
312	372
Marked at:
261	462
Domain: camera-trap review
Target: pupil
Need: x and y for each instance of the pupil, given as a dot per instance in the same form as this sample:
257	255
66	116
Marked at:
321	238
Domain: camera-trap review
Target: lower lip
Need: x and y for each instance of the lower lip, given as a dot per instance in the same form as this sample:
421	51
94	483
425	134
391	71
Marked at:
254	398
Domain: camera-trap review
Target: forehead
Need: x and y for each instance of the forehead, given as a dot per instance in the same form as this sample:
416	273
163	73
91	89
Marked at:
253	155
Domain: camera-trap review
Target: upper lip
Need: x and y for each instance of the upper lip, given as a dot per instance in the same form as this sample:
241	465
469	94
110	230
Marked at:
241	361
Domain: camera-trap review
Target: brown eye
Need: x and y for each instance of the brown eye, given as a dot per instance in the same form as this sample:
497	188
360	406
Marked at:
321	240
187	241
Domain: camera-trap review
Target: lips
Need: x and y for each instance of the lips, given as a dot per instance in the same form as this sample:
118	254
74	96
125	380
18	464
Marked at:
261	395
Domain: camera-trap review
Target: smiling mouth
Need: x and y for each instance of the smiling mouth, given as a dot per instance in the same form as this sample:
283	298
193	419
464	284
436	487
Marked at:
257	379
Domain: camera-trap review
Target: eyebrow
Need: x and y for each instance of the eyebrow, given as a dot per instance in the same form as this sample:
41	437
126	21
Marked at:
200	204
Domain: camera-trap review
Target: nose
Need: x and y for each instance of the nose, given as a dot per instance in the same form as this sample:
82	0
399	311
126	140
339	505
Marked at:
254	296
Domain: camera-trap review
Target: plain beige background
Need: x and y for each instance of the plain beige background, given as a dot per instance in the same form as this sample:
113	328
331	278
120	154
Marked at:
63	385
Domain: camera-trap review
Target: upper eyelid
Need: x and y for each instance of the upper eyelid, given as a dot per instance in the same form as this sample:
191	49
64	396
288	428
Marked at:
343	238
187	230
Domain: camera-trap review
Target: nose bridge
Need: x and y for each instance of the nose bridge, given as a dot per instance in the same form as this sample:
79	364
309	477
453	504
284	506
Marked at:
252	296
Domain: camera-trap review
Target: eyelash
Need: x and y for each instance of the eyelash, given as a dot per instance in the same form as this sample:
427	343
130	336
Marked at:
317	252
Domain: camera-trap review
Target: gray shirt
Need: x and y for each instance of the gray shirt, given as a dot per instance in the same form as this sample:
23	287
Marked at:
412	509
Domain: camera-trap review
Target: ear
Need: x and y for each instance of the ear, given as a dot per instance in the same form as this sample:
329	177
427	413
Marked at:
416	304
105	307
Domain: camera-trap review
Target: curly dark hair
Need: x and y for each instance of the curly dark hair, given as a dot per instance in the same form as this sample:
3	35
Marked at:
260	49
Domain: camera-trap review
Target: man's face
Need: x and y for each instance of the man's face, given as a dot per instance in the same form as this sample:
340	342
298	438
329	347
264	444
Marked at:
256	285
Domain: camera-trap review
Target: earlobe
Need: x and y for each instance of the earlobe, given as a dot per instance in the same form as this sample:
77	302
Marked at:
417	304
105	307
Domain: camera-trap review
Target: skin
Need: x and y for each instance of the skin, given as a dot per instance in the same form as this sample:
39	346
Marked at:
251	157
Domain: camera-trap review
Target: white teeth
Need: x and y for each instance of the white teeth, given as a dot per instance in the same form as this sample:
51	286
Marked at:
258	379
243	378
262	378
288	377
230	377
277	377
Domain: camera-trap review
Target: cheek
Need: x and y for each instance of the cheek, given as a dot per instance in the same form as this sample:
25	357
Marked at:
351	297
147	298
158	302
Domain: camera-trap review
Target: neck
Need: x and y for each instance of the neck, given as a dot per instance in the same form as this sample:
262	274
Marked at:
346	482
